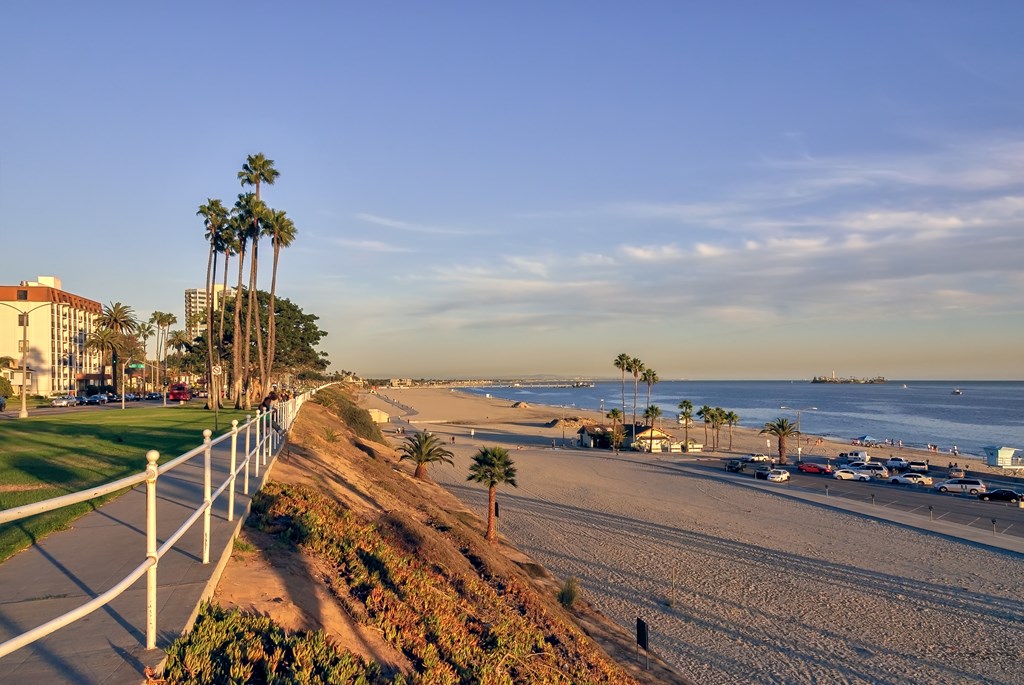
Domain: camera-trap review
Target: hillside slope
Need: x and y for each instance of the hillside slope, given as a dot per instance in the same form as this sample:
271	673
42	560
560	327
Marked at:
395	571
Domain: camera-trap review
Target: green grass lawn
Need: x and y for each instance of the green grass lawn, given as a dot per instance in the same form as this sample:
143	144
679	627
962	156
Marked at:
44	456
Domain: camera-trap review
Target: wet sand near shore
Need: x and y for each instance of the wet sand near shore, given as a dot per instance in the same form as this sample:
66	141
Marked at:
738	586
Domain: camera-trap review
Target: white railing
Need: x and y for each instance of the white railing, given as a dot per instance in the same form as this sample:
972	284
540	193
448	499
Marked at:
261	434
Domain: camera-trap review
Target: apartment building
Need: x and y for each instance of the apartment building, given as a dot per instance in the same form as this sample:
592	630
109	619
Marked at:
51	327
195	308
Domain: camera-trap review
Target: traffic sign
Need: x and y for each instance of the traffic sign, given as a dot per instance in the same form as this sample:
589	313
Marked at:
216	370
136	366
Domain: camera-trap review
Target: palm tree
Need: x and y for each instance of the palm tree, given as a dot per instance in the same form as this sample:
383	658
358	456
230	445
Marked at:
616	416
424	448
256	171
180	343
651	414
622	364
119	318
705	413
781	428
283	234
163	321
101	340
731	419
650	377
636	367
215	218
686	414
492	467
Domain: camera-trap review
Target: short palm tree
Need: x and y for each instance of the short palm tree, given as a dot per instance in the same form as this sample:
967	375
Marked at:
705	414
731	419
422	449
102	340
686	416
617	430
652	414
781	429
492	467
622	364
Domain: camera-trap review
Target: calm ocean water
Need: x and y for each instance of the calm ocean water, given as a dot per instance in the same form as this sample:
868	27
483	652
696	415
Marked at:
922	413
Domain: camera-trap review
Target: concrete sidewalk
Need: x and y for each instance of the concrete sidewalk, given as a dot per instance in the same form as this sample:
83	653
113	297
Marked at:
67	569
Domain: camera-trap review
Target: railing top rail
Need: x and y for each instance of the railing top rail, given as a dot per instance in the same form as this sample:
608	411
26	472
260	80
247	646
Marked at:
43	506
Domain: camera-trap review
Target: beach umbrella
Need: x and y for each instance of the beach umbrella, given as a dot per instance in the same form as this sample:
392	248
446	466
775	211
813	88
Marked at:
866	438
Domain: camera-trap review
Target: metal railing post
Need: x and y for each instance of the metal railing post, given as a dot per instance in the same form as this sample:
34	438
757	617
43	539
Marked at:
234	458
250	451
268	435
258	451
206	495
152	472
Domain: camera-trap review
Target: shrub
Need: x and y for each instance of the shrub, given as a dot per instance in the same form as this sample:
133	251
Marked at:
570	590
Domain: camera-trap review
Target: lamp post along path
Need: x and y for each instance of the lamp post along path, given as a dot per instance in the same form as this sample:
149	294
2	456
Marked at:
23	414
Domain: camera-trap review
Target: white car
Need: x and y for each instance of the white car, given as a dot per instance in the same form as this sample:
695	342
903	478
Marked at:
778	475
911	479
851	474
756	457
897	463
918	466
68	401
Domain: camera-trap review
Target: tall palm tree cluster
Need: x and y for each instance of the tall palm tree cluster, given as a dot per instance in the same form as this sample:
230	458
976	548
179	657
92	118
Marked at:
116	337
639	371
713	417
237	232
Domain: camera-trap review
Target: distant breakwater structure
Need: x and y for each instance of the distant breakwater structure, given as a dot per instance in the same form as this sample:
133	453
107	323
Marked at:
834	379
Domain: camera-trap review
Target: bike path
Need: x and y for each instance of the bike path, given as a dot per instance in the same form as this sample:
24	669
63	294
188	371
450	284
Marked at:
68	568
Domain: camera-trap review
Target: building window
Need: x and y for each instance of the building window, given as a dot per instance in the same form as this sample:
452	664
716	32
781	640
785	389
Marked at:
22	294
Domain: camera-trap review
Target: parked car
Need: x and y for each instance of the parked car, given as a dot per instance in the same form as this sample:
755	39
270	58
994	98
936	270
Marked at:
96	400
971	485
735	465
761	472
897	463
851	474
778	475
911	478
756	458
66	401
811	467
80	399
153	395
918	466
1002	495
956	472
873	466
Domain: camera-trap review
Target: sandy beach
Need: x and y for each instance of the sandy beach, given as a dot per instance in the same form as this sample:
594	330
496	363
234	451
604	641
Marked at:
738	586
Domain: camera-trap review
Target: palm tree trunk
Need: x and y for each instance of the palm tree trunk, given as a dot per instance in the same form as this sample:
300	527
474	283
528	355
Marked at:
211	277
271	315
236	345
492	522
223	302
248	320
421	470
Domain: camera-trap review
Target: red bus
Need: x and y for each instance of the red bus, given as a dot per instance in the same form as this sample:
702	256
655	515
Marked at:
179	391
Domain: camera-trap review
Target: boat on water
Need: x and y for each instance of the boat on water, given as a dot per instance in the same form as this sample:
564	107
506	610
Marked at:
957	391
904	386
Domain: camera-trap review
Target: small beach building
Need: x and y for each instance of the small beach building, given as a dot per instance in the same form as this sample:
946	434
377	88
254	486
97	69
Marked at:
644	439
1004	457
595	436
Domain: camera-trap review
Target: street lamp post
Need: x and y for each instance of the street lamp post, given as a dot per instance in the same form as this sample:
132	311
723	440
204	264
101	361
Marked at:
798	433
23	414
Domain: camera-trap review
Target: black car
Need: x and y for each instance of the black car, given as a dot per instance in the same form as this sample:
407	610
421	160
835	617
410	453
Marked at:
761	472
735	465
1003	495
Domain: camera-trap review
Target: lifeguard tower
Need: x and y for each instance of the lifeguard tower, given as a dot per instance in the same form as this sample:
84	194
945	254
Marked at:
1004	457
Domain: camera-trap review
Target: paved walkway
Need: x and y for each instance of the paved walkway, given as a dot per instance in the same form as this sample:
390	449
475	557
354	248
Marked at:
67	569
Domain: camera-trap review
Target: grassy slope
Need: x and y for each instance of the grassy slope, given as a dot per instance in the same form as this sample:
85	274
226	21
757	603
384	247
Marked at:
45	456
408	561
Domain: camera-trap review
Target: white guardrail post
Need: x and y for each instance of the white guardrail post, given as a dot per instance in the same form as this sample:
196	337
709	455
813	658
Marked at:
152	473
248	452
258	448
234	461
206	495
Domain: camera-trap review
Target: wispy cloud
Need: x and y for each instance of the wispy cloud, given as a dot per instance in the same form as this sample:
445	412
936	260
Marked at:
408	226
370	245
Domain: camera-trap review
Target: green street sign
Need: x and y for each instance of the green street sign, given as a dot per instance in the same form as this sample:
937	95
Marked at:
136	366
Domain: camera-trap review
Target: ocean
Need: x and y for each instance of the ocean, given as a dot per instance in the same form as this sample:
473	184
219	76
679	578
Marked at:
919	413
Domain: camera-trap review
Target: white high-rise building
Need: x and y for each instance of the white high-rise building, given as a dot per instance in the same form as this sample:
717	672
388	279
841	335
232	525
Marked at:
52	326
195	308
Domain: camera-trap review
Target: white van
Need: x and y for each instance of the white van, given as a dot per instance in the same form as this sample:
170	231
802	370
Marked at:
873	467
970	485
858	456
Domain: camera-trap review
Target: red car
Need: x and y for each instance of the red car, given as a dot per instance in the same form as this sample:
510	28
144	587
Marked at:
809	467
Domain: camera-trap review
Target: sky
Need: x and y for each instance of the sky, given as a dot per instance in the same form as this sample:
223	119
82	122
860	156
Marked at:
729	190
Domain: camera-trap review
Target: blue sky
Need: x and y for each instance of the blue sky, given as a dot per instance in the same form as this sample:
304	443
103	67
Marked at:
725	190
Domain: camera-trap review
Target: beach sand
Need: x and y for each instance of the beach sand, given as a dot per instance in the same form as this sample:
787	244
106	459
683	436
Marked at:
737	585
